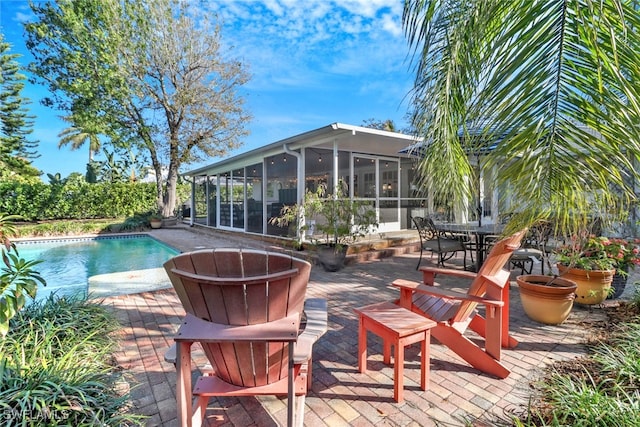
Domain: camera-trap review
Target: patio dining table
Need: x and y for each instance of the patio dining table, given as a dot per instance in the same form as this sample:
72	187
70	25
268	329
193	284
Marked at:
480	232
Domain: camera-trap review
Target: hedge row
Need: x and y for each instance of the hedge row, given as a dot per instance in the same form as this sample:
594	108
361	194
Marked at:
76	199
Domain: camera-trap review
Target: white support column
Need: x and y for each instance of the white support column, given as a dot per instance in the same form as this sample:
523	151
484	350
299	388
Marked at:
300	189
335	166
192	213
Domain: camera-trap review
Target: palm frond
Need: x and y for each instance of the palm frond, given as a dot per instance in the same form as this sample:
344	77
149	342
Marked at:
553	83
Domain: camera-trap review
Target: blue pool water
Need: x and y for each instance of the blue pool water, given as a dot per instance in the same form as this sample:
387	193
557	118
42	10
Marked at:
69	263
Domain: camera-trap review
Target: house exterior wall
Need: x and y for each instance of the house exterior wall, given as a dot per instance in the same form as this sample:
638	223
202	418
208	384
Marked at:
244	192
246	198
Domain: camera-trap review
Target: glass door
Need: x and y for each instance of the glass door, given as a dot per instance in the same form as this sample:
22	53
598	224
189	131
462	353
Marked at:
225	200
237	198
376	180
254	198
389	214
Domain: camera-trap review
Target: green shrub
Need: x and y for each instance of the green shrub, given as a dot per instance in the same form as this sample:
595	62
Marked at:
74	198
64	227
25	199
56	367
135	223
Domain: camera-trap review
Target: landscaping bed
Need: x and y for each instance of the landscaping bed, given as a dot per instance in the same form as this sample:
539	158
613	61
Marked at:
57	369
600	389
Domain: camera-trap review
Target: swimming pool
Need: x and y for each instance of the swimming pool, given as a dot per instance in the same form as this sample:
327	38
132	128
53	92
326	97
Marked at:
99	266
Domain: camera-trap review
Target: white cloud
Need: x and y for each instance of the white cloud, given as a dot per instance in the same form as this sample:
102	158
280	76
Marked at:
391	24
281	119
23	17
293	43
275	7
293	20
370	8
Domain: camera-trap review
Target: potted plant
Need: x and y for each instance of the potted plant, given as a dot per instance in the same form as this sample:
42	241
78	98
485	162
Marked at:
337	221
590	262
155	220
546	299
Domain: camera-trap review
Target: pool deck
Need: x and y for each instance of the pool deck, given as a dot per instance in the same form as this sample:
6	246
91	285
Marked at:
341	396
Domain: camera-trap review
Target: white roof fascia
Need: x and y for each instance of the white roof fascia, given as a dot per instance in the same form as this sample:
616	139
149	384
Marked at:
306	139
372	131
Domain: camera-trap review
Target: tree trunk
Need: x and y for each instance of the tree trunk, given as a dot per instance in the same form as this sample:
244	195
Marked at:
159	192
169	199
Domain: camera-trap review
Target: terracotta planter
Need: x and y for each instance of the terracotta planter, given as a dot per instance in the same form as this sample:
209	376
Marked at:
546	299
155	223
593	285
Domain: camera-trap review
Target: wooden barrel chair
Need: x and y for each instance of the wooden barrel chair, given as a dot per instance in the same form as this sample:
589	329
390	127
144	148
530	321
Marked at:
245	308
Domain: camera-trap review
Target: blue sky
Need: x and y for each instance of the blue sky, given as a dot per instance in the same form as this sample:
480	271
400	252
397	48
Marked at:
313	62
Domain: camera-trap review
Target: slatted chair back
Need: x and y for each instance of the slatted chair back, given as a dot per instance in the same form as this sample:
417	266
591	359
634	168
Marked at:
241	287
426	228
538	235
492	277
446	245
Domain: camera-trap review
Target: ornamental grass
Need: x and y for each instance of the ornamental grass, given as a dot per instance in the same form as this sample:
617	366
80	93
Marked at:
56	367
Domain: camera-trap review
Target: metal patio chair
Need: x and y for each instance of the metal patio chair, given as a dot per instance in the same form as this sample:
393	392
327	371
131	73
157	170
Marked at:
444	245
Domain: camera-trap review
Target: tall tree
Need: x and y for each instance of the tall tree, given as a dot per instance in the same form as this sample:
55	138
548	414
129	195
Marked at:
151	75
16	150
555	84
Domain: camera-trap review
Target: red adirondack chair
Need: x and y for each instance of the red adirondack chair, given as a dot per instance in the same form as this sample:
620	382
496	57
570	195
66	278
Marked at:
454	311
245	308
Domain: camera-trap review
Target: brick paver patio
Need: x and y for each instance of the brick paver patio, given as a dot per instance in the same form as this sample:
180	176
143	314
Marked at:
341	396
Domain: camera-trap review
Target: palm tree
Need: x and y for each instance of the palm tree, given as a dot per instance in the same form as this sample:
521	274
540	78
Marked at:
554	85
77	137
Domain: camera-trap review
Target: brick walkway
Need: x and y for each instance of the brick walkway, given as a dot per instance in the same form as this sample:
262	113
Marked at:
341	396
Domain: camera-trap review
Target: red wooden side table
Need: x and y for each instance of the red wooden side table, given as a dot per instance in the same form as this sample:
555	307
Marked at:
399	327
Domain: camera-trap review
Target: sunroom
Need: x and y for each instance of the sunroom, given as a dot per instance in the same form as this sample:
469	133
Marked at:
242	193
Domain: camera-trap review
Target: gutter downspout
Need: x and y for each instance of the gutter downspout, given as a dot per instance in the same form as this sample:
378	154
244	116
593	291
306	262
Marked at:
300	195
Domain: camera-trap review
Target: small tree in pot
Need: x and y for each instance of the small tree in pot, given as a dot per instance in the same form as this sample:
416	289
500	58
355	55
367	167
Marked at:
338	221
